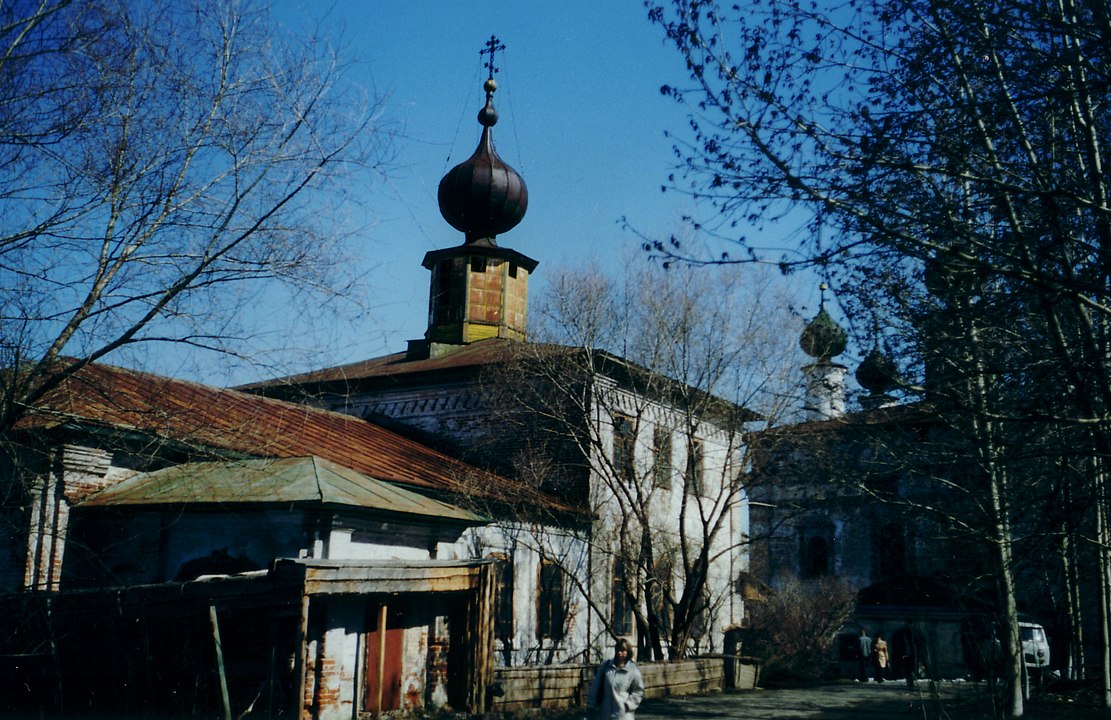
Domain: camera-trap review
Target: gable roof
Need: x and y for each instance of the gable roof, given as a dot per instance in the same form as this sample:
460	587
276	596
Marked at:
209	418
305	480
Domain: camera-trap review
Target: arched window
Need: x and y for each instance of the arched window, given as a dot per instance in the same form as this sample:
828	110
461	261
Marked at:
816	561
816	548
890	551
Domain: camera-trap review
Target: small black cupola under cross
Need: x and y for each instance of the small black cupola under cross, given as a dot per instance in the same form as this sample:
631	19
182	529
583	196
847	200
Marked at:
479	290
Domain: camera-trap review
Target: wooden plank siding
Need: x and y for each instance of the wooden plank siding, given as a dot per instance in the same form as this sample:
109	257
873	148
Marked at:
384	578
541	686
563	686
479	639
686	677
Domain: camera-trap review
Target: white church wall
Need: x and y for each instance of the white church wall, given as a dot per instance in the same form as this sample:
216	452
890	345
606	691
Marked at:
527	547
675	515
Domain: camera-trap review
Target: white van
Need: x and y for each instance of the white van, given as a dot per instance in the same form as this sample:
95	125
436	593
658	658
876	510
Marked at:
1035	649
984	656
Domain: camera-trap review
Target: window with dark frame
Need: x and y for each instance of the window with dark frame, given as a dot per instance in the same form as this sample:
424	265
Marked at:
661	458
695	470
815	558
890	551
624	448
816	549
503	598
659	593
621	600
447	298
551	611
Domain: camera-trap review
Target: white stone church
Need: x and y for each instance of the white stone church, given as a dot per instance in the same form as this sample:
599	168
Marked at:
382	535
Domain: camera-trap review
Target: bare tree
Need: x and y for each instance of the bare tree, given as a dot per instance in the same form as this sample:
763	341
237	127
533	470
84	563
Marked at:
640	390
795	629
916	136
161	163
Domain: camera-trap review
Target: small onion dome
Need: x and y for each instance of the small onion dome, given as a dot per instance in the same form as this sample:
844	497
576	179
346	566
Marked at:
877	374
823	338
482	196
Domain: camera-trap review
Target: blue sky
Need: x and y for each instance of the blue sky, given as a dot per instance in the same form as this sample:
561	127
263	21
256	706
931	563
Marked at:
581	118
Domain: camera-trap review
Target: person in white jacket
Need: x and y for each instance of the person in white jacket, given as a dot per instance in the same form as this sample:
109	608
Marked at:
618	687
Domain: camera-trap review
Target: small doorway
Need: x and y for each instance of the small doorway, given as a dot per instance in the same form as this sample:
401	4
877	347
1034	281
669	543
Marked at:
382	660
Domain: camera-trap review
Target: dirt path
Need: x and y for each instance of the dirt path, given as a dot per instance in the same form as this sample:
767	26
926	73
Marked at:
887	701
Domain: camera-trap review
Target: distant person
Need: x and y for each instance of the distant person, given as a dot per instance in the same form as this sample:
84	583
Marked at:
865	654
618	687
879	657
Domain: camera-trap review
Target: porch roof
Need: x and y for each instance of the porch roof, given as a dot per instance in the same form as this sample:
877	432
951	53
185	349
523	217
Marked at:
303	480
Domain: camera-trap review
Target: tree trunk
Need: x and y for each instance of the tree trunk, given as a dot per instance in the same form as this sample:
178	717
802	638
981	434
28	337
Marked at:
1102	537
1012	644
1075	667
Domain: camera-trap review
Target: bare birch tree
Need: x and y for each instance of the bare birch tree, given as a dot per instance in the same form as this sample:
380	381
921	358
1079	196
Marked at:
641	389
915	134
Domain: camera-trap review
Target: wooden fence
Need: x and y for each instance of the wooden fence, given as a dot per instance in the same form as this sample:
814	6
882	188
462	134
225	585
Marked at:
562	686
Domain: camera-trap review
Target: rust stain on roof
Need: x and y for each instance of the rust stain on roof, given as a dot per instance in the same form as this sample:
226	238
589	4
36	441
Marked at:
207	417
475	355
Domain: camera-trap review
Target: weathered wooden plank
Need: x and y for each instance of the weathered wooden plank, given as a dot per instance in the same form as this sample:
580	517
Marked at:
747	676
520	687
480	638
545	682
389	579
224	699
558	686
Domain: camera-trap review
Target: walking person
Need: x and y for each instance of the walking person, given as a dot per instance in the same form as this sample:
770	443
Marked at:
618	687
865	654
880	657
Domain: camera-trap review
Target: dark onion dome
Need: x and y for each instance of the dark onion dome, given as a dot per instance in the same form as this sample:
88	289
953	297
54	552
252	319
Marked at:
877	374
823	338
483	196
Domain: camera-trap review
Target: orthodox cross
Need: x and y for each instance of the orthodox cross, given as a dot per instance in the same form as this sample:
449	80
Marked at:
492	46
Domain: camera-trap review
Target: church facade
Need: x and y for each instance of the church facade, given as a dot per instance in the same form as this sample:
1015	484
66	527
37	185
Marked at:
371	537
877	501
476	388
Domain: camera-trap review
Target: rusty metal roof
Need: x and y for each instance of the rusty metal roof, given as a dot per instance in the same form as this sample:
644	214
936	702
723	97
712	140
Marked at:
306	480
209	418
473	356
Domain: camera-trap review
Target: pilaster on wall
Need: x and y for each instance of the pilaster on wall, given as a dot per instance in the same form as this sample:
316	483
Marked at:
74	473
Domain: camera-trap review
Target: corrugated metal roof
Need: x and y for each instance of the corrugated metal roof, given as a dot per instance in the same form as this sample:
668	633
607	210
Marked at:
228	420
310	480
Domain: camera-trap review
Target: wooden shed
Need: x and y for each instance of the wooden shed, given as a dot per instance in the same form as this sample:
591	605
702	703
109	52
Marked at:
306	639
